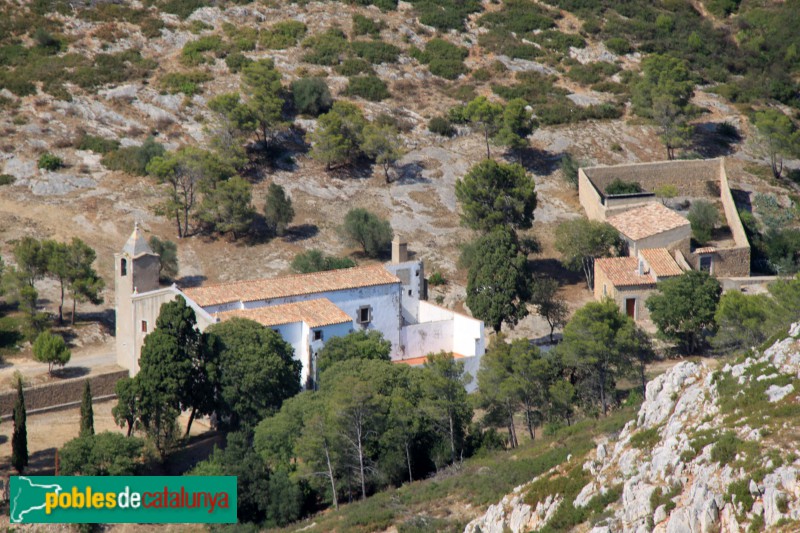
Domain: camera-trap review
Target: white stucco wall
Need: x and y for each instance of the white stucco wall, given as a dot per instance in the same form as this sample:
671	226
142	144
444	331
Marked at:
412	278
429	312
468	338
419	340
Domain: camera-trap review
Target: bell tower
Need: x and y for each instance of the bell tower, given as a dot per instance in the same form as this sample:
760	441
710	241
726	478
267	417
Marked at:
135	272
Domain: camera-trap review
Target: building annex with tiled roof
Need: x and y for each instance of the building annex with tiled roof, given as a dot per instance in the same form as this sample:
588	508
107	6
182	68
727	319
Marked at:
629	281
305	309
651	226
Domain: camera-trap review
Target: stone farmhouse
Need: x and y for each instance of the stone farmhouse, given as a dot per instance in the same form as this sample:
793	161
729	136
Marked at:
659	238
305	309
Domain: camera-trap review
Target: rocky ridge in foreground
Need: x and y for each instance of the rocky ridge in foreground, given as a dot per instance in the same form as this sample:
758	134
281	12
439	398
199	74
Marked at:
709	451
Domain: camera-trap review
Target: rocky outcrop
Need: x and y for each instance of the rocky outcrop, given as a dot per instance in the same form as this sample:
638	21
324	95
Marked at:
674	486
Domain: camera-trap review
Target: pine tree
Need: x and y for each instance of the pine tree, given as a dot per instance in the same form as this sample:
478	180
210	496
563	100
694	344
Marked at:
19	439
87	413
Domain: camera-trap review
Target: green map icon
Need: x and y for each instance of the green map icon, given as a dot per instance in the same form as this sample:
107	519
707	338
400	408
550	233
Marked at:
28	499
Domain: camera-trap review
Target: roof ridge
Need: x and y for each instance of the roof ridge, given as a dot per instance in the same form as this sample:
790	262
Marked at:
287	276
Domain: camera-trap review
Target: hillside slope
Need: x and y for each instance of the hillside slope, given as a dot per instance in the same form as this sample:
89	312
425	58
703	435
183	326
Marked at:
709	451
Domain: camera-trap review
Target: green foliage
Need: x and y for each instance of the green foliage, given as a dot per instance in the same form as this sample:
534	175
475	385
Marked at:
743	320
278	210
617	186
259	371
441	126
569	169
375	52
326	48
666	192
316	261
283	34
550	306
368	87
188	83
436	279
181	8
104	454
338	136
645	439
96	144
497	282
593	72
87	413
445	14
559	41
51	349
369	231
520	16
167	252
193	52
311	96
496	195
19	437
7	179
581	241
366	26
263	83
661	497
777	137
48	161
227	207
703	216
726	448
237	61
663	77
683	308
359	345
382	144
443	58
353	66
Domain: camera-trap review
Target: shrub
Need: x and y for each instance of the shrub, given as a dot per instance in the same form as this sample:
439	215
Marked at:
559	41
645	439
445	14
6	179
311	96
441	126
569	169
192	53
51	349
368	87
48	161
182	8
353	66
617	186
375	51
326	48
436	279
726	448
237	61
619	45
134	159
96	144
371	232
703	216
316	261
366	26
443	58
187	83
283	35
593	72
520	16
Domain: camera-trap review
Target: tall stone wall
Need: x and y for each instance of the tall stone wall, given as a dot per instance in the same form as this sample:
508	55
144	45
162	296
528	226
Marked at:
727	262
590	198
60	392
692	178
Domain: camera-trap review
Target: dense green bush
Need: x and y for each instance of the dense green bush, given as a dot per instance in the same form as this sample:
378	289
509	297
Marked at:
96	144
366	26
193	51
368	87
134	159
237	61
383	5
443	58
618	186
182	8
187	83
559	41
316	261
375	51
703	216
311	96
352	66
48	161
520	16
592	72
326	48
368	230
441	126
240	39
445	14
6	179
283	35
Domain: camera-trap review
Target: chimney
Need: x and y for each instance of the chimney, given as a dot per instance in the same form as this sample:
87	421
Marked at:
399	250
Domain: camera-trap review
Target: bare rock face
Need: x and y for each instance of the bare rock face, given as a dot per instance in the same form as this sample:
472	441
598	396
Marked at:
675	486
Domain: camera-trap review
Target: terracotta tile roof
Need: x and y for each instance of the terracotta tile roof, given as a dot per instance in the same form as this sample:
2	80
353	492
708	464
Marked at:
706	250
315	313
415	361
623	271
300	284
650	219
662	264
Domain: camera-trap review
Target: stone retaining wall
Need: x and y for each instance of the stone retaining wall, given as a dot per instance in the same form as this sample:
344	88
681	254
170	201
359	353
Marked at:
698	178
60	392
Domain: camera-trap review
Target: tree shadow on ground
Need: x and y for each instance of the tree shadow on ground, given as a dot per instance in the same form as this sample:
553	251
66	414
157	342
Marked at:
197	448
555	269
186	282
410	173
536	161
300	232
708	141
71	372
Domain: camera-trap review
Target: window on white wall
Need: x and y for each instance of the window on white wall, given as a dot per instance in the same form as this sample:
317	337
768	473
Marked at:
144	326
365	314
317	334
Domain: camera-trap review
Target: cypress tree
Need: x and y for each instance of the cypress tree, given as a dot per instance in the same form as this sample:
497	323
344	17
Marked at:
87	413
19	439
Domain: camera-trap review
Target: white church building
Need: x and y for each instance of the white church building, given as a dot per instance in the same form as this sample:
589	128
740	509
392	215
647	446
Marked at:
305	309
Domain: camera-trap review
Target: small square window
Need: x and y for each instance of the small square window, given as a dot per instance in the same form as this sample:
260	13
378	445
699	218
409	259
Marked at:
144	326
318	335
364	314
